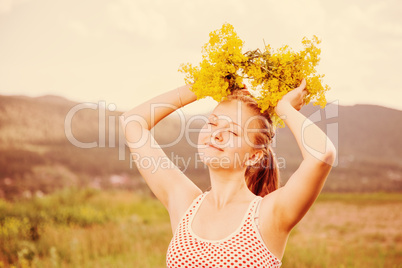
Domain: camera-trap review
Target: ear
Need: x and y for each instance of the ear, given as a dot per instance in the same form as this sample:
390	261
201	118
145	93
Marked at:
254	158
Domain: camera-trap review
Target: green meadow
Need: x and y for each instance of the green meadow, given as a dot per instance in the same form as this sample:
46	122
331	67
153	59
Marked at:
92	228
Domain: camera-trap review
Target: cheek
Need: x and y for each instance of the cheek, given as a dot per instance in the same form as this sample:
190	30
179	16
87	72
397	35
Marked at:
201	136
237	148
242	146
249	139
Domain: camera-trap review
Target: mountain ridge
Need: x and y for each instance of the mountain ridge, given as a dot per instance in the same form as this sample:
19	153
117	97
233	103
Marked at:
33	142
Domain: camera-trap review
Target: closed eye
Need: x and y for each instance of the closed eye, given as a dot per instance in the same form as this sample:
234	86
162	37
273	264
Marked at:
233	133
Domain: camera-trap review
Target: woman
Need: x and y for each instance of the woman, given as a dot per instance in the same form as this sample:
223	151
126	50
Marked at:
244	220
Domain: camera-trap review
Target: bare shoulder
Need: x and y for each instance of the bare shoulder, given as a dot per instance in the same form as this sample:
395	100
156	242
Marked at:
179	202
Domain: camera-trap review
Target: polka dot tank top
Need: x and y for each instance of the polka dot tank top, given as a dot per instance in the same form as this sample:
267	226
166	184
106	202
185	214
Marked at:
243	248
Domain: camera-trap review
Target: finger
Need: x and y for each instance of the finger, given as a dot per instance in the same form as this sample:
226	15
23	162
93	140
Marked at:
303	84
304	93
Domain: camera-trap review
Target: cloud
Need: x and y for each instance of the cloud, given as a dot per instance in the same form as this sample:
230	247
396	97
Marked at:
138	17
7	6
78	27
82	29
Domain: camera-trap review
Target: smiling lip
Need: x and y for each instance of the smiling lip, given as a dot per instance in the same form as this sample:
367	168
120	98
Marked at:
211	145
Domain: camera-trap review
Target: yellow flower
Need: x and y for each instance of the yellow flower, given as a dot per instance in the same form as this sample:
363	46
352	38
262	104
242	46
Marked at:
271	73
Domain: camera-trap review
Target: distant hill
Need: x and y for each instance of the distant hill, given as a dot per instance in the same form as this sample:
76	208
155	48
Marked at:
369	147
36	155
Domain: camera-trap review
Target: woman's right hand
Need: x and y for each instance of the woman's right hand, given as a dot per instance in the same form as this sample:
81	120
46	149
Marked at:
295	97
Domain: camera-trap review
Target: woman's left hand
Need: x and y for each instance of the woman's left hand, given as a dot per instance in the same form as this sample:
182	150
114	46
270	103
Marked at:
295	97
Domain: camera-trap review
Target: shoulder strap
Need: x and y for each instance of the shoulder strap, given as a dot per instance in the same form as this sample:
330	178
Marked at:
256	211
197	201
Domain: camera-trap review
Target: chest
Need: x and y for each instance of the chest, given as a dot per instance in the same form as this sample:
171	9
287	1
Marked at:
225	237
211	224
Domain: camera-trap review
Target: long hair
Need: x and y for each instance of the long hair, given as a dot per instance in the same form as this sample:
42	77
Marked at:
263	177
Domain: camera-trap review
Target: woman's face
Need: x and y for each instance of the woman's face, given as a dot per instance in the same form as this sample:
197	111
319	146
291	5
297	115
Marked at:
227	139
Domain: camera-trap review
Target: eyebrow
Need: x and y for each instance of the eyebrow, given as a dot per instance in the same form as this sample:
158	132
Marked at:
231	122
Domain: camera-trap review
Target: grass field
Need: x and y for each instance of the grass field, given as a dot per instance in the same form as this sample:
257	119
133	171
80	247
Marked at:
88	228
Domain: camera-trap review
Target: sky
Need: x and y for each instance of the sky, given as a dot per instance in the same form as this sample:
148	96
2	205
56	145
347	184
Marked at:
125	52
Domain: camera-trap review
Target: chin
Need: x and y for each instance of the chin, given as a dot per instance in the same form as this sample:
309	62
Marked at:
213	161
208	154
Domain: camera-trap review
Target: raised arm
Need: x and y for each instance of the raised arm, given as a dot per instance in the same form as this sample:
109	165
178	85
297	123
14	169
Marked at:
167	103
294	199
166	181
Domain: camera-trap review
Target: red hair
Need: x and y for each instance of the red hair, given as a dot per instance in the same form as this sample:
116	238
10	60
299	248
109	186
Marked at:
263	177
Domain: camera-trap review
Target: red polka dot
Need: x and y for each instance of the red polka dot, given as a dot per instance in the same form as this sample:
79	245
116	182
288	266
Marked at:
244	249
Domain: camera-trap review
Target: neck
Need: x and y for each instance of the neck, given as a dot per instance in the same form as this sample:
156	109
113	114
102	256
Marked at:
228	186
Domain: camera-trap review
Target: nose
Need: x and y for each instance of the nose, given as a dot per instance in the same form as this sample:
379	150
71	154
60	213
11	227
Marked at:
216	136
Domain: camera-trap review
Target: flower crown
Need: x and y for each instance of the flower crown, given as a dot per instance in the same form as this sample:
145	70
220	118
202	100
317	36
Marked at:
271	74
